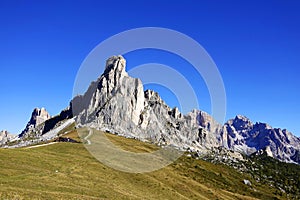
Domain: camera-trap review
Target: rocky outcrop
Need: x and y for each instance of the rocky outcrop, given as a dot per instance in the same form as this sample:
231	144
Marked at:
5	137
240	134
57	120
38	117
118	103
41	122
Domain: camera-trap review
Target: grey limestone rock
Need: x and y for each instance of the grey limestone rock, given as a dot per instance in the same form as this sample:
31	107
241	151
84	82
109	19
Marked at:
5	137
118	103
38	117
240	134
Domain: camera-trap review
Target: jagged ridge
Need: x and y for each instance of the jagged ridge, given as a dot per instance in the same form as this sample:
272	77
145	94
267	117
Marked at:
118	103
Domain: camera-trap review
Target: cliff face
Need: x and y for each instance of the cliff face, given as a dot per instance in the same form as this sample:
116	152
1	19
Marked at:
38	117
242	135
118	103
41	122
5	137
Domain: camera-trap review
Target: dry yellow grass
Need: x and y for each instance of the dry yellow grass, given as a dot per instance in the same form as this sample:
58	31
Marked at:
68	171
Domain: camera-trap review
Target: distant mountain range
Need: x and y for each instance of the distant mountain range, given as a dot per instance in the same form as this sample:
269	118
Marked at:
117	103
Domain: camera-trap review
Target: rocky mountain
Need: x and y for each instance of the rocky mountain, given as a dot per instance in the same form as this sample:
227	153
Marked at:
117	103
240	134
40	128
5	137
38	117
41	123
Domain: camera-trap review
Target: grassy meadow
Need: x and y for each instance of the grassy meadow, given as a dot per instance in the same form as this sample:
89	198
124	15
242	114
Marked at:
68	171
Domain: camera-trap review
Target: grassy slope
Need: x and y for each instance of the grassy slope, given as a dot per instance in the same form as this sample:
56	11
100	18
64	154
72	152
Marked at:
68	171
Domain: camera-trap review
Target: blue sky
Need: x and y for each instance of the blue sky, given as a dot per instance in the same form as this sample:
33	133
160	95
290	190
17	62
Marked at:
255	45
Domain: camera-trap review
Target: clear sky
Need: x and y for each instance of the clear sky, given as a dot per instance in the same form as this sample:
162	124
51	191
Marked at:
255	44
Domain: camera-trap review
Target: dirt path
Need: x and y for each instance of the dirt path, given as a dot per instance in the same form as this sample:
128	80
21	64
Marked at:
89	135
40	145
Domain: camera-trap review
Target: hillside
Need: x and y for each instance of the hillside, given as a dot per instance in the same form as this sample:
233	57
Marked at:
68	171
237	160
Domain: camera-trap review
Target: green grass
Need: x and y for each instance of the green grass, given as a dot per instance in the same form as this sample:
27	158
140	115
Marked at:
68	171
281	175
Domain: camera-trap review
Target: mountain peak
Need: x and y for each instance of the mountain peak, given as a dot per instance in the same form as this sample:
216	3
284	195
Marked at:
118	103
5	136
115	64
242	117
241	122
3	133
38	116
